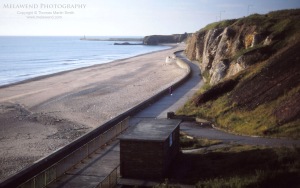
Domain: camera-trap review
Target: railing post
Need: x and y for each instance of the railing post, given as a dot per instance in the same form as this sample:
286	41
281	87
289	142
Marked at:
109	180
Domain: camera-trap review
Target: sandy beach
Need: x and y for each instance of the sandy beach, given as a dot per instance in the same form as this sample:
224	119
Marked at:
39	116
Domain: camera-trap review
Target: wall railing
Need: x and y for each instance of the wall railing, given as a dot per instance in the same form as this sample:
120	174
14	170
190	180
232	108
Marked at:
111	180
56	170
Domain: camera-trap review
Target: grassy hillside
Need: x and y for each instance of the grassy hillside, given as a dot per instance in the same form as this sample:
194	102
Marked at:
263	99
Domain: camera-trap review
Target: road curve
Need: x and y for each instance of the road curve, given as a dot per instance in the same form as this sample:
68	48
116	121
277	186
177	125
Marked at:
184	93
196	130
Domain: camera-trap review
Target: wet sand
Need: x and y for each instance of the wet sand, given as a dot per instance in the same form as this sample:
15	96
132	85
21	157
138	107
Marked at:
41	115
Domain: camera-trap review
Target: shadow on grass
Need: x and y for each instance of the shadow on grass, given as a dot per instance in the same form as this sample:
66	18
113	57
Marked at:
250	168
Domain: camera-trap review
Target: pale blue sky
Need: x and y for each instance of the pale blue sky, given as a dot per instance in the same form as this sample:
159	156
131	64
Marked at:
126	17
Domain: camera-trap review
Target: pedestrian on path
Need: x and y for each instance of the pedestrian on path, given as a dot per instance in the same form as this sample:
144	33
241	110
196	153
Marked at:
170	90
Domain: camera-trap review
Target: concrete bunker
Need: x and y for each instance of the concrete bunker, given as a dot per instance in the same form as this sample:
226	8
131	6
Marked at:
147	149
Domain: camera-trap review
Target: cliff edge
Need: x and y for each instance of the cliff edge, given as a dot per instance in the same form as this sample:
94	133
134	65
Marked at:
252	71
157	39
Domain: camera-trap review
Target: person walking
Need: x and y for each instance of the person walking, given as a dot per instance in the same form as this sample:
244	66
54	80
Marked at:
170	90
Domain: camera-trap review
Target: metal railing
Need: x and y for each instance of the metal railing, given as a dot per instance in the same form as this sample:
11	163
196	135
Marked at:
58	169
111	180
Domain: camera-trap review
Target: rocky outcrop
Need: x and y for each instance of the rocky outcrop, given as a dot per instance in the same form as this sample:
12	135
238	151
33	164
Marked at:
219	71
220	50
242	42
157	39
225	51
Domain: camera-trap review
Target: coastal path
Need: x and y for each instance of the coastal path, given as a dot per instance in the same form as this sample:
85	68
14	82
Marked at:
103	165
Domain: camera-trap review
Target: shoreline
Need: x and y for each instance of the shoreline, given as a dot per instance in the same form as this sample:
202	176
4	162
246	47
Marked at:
172	46
41	115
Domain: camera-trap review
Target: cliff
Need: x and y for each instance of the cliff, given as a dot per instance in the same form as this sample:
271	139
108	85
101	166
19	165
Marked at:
157	39
252	70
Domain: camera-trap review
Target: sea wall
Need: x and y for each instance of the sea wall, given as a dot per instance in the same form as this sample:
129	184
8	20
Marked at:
182	64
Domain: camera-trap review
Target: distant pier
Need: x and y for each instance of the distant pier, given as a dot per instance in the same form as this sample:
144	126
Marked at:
114	39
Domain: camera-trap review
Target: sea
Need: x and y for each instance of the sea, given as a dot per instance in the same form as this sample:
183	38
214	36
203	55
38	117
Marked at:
23	58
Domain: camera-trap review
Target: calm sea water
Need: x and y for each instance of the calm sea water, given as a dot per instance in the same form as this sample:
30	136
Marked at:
23	58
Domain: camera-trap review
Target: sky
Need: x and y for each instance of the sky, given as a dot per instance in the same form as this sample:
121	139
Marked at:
124	17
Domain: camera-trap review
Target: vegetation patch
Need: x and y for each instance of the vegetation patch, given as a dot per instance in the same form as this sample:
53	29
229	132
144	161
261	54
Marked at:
216	91
221	24
233	118
239	166
188	142
249	50
292	129
253	122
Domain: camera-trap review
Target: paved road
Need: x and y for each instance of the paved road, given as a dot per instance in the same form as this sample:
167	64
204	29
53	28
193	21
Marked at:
181	95
172	102
195	130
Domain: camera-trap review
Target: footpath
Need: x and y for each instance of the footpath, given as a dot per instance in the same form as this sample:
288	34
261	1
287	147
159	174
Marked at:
95	169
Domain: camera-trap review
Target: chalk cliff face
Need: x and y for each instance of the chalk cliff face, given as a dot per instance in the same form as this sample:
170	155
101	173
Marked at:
226	48
253	64
156	39
223	51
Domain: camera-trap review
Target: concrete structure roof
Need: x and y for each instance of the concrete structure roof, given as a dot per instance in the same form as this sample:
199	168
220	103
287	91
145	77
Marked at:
151	130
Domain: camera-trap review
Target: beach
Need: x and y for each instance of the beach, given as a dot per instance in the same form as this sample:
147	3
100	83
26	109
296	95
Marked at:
41	115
